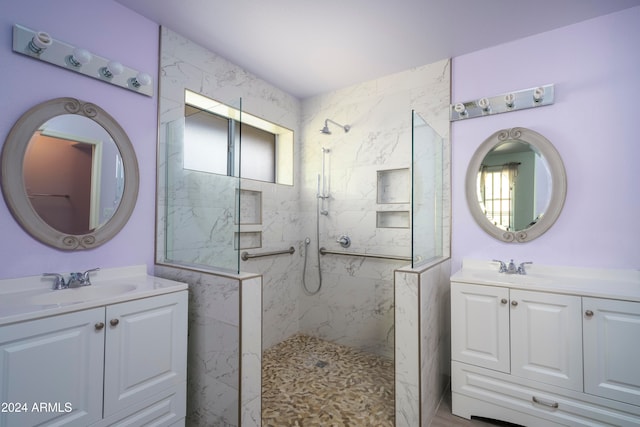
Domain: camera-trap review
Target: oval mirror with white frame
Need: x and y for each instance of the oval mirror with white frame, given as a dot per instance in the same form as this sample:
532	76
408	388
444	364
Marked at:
516	185
69	174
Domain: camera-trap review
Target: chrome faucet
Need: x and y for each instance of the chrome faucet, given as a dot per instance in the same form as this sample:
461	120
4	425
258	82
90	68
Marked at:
521	269
59	282
75	279
80	279
511	268
503	266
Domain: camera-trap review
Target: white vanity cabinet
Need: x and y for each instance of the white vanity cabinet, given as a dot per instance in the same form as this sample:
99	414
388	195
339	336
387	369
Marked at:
612	345
529	334
120	364
543	355
546	337
55	361
480	326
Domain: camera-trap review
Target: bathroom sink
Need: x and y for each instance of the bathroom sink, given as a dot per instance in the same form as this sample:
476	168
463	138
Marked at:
81	294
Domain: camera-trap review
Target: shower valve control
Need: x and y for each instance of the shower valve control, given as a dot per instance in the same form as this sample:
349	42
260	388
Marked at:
344	240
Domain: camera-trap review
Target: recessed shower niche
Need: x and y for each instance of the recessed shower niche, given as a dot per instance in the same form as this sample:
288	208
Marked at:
250	210
249	206
394	188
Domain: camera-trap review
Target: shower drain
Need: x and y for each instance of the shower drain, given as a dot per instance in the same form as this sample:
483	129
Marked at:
321	364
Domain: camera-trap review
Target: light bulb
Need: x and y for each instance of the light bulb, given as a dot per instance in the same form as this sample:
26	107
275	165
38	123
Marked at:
142	79
113	68
79	57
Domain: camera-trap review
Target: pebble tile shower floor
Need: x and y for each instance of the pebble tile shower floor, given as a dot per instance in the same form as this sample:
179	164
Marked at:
307	381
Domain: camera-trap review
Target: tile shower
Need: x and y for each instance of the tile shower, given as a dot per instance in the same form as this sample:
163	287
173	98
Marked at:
355	307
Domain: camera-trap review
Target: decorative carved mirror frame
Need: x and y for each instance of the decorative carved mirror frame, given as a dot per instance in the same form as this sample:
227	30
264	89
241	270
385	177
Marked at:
13	187
558	179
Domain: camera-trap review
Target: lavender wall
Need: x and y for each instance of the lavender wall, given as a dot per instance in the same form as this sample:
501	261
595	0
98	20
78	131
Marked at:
109	30
595	67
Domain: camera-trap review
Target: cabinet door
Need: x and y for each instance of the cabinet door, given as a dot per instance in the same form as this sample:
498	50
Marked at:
51	370
612	349
546	338
480	325
146	349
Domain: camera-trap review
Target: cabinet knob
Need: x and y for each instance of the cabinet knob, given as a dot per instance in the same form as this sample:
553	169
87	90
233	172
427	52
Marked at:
588	313
514	303
504	301
99	326
114	322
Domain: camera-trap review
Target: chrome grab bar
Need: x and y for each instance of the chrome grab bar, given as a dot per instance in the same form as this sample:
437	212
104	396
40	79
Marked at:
246	255
324	251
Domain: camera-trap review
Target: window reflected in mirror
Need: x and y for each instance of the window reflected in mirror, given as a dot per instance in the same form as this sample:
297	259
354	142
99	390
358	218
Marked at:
513	186
516	185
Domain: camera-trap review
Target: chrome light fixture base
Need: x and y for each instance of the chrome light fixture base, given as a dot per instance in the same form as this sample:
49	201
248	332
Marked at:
504	103
40	45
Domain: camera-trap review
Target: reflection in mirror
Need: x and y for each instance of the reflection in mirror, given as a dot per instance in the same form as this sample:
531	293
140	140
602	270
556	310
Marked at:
513	185
516	185
73	174
69	174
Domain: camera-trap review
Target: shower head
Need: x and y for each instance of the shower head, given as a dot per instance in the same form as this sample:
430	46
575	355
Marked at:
326	130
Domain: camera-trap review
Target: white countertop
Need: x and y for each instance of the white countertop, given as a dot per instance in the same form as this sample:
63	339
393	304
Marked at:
16	294
599	283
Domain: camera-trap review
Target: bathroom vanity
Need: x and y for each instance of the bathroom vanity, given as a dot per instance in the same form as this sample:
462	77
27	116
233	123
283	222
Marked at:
112	353
556	346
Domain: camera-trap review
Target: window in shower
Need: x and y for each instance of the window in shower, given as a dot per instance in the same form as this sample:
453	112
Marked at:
212	144
220	139
207	152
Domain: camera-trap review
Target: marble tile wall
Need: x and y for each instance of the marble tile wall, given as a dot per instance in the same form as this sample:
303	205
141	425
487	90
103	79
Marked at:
251	352
422	341
281	274
199	207
355	305
213	352
219	332
407	349
200	211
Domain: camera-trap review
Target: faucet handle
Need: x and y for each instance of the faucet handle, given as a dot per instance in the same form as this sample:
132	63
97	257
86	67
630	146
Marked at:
344	240
521	269
83	278
85	275
503	266
58	282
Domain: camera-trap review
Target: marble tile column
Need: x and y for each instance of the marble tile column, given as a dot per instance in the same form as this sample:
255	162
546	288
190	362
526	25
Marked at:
422	349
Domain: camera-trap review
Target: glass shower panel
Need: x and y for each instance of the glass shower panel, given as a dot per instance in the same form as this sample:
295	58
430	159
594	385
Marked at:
201	201
427	192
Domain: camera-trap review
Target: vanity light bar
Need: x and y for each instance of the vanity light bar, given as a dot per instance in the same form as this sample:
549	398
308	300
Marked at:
40	45
504	103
